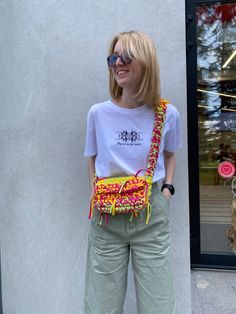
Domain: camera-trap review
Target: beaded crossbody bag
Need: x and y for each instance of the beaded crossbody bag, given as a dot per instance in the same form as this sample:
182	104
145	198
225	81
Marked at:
130	194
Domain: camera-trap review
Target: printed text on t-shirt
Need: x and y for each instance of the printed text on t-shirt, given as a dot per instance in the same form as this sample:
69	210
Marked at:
129	138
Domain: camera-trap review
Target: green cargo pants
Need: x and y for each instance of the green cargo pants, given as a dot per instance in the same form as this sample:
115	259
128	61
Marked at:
109	248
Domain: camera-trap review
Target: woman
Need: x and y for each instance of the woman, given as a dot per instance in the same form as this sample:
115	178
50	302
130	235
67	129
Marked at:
118	141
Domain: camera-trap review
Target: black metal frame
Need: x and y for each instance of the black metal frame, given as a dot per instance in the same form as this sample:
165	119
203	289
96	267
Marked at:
198	259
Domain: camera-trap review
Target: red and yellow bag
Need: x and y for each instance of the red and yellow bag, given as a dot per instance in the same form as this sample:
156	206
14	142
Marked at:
130	194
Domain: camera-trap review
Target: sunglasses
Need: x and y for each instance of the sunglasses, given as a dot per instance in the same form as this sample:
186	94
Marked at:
125	58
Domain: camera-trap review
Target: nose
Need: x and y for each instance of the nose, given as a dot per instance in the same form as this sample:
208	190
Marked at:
118	61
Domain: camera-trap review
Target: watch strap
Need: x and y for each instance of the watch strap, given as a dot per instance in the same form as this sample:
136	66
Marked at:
170	187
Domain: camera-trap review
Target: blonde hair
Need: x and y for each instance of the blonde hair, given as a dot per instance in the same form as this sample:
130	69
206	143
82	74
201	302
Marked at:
231	229
140	47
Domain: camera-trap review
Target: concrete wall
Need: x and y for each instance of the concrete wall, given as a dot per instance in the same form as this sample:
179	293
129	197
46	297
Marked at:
1	310
52	70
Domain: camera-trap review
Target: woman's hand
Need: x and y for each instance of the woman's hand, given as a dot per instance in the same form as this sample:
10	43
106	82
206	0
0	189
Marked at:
166	193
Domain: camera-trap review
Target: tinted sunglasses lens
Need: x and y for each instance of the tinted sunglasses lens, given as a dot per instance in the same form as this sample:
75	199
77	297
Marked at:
111	60
124	58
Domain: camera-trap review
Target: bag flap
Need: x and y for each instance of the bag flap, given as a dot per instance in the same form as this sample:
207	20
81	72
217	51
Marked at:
120	185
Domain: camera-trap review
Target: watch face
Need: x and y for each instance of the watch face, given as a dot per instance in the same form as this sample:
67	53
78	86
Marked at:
172	189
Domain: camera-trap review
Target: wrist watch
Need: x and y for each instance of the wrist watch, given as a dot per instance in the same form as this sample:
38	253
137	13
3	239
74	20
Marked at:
170	187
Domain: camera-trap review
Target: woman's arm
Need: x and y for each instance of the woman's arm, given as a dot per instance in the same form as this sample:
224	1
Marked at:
91	170
169	162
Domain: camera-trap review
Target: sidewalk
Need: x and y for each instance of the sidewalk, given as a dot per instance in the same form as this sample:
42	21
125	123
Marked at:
213	292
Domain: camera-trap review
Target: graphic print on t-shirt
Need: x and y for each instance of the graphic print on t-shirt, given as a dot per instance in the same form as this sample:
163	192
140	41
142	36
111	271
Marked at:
129	138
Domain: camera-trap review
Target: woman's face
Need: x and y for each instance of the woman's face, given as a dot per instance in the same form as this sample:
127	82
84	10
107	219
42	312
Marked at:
127	76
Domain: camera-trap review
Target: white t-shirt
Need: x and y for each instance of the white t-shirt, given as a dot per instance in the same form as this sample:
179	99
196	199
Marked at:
120	138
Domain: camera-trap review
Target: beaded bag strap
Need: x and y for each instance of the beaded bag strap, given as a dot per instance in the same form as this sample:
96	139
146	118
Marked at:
160	112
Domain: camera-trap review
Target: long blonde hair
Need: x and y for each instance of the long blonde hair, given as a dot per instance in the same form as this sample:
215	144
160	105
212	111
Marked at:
141	47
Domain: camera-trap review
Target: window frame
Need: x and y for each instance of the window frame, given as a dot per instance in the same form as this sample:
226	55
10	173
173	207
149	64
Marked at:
198	259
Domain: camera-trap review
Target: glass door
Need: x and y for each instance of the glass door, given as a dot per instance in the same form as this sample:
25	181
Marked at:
214	45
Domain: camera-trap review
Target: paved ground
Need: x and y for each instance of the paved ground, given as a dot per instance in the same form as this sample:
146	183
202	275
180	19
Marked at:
213	292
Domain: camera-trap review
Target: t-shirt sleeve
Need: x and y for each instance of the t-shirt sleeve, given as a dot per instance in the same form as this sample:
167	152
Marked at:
173	139
90	142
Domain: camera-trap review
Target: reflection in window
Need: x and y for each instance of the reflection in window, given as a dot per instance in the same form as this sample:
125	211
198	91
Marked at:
216	76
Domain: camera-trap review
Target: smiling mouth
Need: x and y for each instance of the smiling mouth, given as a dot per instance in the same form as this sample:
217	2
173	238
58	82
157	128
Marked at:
122	72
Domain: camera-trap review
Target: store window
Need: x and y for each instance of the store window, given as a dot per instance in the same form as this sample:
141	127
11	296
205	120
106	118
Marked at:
215	76
216	86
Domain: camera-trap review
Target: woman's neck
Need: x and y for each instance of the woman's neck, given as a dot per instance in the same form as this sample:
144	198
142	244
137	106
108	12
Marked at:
128	101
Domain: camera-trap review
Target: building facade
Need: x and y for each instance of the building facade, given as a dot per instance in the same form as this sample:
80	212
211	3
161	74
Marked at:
53	69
